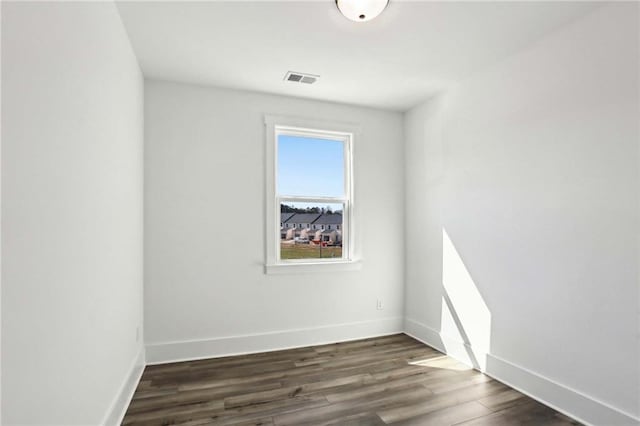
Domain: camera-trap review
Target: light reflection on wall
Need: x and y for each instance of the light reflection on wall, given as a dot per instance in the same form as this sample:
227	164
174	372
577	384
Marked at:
465	316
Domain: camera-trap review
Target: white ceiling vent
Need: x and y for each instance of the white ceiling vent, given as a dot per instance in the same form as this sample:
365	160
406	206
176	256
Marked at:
300	77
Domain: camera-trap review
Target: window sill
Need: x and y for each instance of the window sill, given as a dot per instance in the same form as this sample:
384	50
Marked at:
302	268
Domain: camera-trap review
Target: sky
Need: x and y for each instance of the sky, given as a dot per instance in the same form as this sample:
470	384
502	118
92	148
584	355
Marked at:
310	167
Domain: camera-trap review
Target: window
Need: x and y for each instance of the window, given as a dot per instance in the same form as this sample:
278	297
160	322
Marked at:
309	176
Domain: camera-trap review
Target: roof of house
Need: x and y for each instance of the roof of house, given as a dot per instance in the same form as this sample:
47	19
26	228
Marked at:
329	219
285	216
303	218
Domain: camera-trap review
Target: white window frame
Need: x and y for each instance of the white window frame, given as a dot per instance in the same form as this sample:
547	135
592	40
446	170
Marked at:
344	132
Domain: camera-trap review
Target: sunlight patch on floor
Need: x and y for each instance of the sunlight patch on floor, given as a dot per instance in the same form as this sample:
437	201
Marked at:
443	362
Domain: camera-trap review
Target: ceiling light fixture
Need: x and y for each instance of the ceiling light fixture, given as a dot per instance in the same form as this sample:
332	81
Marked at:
361	10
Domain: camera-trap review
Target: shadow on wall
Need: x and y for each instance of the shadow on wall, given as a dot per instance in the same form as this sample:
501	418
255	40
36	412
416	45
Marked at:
465	317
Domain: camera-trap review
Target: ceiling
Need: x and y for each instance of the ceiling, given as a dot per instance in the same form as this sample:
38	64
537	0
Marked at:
409	53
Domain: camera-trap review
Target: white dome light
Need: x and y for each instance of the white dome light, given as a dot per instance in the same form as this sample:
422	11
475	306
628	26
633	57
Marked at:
361	10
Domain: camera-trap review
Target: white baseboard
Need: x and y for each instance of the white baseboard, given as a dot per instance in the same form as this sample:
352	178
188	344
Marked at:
564	399
160	353
120	403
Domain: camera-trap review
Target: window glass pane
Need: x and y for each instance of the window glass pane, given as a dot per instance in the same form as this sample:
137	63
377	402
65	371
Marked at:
310	166
311	230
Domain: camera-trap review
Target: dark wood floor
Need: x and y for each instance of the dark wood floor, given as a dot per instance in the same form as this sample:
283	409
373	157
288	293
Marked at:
385	380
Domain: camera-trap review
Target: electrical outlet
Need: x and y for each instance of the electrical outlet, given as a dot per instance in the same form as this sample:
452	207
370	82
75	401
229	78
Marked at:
379	305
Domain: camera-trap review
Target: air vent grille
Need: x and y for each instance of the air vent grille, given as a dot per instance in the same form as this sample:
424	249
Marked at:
300	77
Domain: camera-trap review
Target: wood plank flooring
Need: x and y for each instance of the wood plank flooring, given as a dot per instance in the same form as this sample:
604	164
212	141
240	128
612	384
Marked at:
385	380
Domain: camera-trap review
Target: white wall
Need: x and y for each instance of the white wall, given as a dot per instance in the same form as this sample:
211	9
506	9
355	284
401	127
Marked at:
531	170
204	228
72	212
0	225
